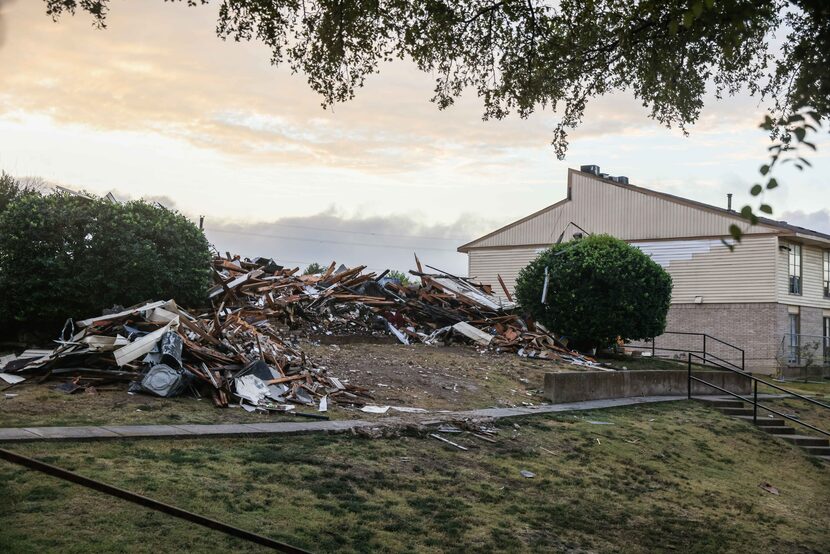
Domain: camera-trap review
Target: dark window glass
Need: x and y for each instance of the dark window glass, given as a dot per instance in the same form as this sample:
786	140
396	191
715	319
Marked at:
794	267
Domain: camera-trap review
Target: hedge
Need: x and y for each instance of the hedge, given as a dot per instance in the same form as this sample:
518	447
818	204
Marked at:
67	256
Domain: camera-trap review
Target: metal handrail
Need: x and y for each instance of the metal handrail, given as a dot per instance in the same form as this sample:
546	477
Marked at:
754	400
654	348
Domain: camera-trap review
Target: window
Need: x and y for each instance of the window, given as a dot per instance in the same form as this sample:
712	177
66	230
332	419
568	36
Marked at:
792	355
825	272
794	267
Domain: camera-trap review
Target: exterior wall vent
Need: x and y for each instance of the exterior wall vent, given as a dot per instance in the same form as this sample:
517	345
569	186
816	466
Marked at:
593	169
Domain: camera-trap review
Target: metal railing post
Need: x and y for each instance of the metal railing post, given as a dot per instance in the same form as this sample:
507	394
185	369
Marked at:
653	339
689	379
755	404
743	360
704	348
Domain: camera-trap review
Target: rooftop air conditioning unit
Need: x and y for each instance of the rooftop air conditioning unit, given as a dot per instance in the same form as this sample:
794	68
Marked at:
594	169
605	175
622	179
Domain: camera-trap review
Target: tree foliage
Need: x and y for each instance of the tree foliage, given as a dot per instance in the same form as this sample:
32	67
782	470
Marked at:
66	256
790	135
400	276
522	55
314	268
10	190
600	288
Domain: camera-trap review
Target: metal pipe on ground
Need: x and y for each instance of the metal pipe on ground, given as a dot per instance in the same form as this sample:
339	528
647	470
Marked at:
141	500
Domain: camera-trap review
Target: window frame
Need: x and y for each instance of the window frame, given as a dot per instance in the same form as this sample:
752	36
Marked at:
795	269
794	336
826	338
825	272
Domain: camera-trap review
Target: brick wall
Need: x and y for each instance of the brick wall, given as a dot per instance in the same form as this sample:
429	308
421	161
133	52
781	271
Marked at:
752	326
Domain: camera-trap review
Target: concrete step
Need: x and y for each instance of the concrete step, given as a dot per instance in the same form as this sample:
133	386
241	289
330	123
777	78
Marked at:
764	421
807	440
735	411
817	450
825	459
775	430
719	402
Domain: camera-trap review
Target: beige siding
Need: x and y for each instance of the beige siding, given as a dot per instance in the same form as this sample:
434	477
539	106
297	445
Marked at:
485	265
811	278
710	270
629	213
703	268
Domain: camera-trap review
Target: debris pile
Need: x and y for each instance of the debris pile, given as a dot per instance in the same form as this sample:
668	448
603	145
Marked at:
437	310
231	355
240	349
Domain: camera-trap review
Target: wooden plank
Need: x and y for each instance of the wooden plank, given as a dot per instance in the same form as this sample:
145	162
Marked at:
504	288
130	311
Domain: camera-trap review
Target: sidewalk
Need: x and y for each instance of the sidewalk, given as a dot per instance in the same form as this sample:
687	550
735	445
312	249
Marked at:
21	434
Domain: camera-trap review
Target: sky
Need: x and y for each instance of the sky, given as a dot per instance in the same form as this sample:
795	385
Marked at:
157	106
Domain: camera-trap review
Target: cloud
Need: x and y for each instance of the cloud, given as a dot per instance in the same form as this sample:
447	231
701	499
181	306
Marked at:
380	242
171	75
816	221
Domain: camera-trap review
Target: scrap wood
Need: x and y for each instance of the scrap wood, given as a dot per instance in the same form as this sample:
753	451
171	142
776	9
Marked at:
484	438
448	441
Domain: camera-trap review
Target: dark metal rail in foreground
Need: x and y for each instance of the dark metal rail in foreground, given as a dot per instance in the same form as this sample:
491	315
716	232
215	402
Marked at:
66	475
754	399
708	356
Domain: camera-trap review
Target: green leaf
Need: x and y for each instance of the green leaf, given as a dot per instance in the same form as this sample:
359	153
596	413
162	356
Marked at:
800	133
772	183
735	232
756	190
766	208
764	169
688	18
746	212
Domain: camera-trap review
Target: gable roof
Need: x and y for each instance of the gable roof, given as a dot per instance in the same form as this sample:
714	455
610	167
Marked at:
781	227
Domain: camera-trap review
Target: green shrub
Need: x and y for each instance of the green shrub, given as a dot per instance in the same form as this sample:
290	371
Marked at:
68	256
600	288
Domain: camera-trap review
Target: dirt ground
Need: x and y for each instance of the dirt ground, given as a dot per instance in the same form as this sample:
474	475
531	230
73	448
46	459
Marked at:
430	377
447	377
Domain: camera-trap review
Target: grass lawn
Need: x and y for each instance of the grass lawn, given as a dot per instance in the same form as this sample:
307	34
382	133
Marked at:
675	476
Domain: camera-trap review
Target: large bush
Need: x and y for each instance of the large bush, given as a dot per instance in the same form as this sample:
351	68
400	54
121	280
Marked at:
69	256
600	288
